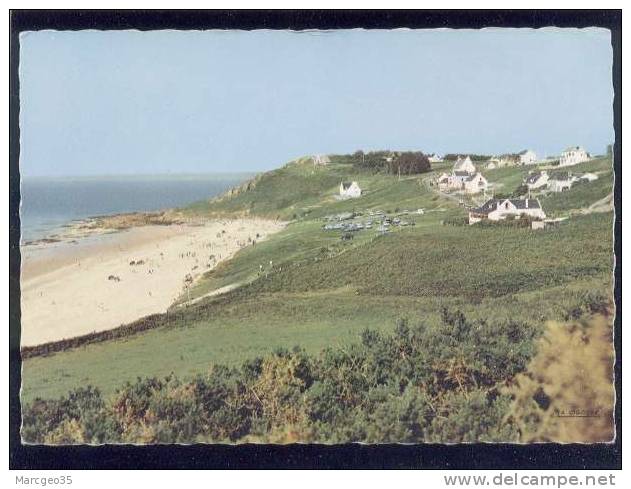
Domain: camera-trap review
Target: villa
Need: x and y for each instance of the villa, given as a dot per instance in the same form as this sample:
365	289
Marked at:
470	183
475	184
499	209
560	182
444	182
350	190
527	157
458	177
537	180
573	156
464	165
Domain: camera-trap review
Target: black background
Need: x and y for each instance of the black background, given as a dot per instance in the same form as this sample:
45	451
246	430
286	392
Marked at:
469	456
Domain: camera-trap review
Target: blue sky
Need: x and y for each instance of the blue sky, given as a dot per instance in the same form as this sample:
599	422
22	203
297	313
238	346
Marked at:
202	101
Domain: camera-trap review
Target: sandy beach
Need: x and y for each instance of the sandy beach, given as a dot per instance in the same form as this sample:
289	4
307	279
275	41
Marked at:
76	286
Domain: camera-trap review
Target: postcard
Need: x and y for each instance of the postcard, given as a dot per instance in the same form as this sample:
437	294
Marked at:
321	236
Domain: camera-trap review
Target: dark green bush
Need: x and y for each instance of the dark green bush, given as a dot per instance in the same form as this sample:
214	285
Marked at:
421	383
456	221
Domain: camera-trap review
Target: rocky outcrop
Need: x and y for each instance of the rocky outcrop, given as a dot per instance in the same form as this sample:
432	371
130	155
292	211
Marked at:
239	189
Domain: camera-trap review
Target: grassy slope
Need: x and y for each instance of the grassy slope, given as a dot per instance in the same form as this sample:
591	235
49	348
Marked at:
323	291
580	194
472	261
303	238
300	190
508	179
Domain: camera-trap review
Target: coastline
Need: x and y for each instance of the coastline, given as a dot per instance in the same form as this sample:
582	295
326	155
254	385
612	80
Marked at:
98	225
108	271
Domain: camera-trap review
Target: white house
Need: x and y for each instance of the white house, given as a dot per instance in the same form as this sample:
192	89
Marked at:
573	156
527	157
321	160
464	165
459	177
461	180
560	185
499	209
537	180
470	183
561	182
443	182
475	184
434	158
451	182
590	177
350	190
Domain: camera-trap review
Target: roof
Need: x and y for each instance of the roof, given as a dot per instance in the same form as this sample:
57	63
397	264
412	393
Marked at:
471	177
462	161
491	205
561	176
461	173
347	185
526	203
487	207
533	177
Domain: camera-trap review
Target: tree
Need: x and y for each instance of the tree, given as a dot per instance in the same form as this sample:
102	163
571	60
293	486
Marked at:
409	163
474	157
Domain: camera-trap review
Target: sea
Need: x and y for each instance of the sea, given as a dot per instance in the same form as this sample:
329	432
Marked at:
50	203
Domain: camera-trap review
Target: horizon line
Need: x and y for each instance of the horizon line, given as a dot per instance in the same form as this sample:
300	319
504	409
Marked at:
140	175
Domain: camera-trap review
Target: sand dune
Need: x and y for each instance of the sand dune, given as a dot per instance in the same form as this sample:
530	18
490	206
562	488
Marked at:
80	286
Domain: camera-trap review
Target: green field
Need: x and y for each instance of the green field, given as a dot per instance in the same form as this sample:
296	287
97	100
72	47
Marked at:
322	291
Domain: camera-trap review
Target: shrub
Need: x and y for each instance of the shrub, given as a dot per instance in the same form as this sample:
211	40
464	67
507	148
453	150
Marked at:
474	157
419	383
409	163
567	393
472	417
456	221
509	222
76	418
